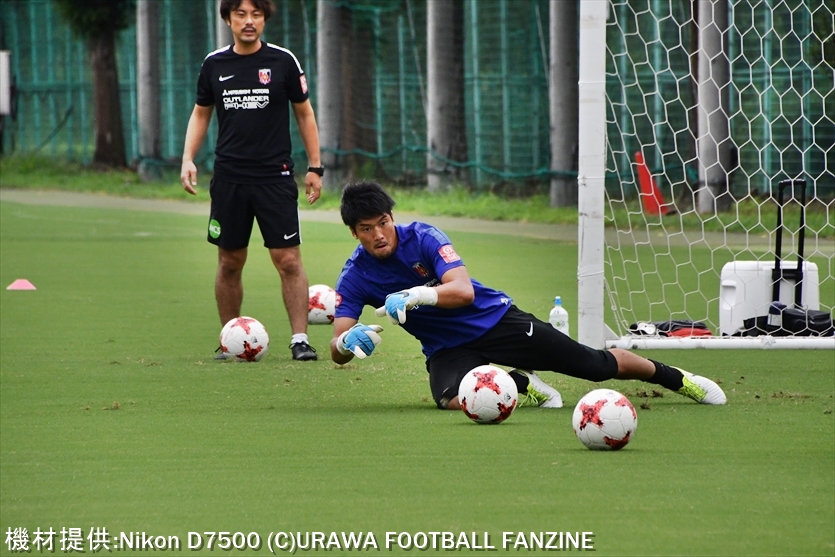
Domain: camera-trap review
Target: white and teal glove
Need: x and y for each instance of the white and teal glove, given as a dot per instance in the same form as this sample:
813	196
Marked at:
398	303
360	340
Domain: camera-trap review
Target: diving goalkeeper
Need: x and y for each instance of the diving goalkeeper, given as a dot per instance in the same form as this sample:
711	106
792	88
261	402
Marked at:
412	274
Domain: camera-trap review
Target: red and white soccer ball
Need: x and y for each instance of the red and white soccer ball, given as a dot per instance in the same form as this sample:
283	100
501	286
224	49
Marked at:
244	339
604	420
322	302
487	394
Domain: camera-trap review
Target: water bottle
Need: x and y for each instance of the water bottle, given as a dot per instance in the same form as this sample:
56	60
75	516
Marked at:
558	318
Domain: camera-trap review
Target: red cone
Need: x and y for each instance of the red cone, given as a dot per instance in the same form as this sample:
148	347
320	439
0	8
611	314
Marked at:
651	197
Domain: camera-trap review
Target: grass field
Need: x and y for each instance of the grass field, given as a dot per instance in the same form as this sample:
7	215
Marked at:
114	416
755	216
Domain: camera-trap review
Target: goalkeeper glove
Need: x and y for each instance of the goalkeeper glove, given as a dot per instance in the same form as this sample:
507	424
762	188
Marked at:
360	340
398	303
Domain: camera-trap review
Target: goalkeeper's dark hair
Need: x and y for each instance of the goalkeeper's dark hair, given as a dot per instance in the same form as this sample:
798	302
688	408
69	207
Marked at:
364	200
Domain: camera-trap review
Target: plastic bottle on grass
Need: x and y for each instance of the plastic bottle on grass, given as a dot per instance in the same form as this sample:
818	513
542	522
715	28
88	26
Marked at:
558	318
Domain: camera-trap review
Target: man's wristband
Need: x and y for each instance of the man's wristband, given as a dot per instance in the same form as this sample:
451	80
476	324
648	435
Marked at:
427	296
320	170
340	345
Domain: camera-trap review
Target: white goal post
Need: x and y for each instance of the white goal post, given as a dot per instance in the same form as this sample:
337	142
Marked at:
691	114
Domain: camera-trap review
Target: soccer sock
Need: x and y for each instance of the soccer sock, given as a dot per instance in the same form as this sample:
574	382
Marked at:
521	381
299	337
666	377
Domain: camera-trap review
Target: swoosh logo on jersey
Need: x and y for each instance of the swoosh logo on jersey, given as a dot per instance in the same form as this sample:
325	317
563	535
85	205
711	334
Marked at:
225	77
530	331
288	236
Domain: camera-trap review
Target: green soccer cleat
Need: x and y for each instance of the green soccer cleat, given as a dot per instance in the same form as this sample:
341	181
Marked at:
539	393
701	389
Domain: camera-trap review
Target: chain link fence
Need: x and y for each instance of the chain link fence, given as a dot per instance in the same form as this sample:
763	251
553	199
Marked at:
505	71
506	87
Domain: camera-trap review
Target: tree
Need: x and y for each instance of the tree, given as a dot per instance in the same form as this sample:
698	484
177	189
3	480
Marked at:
445	126
714	139
332	42
564	95
98	22
147	89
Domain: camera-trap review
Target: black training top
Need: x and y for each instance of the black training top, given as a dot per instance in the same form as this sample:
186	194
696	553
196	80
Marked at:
250	94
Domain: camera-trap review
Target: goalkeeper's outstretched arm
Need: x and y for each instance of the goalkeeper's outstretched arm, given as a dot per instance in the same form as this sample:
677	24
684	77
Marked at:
456	290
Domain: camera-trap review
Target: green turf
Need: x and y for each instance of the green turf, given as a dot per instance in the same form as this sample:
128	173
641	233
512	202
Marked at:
754	215
113	414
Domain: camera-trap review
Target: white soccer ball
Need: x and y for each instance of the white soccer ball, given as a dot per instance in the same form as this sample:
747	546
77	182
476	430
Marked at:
322	302
244	339
487	394
604	420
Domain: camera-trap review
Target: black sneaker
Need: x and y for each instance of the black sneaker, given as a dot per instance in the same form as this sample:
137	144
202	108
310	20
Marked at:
303	351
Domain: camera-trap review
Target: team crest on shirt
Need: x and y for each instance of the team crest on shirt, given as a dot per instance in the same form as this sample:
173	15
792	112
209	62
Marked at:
448	254
420	269
303	82
265	75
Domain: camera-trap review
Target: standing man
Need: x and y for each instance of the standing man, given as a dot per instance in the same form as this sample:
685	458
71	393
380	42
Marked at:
251	84
413	275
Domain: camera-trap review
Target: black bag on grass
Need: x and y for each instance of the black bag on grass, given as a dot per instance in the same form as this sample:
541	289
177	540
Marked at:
783	320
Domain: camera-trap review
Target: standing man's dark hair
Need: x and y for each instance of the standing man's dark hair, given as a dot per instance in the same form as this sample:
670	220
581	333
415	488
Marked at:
226	7
251	84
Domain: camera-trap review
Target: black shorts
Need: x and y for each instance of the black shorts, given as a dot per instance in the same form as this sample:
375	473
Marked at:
522	341
235	206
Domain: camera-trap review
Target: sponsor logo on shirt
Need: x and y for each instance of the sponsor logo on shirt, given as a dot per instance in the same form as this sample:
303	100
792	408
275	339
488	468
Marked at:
303	82
448	254
246	99
264	75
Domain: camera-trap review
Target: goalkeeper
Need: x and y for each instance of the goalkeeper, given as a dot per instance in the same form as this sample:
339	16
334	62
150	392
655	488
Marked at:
412	274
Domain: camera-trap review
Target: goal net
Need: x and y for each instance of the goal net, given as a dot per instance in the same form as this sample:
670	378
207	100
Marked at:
706	172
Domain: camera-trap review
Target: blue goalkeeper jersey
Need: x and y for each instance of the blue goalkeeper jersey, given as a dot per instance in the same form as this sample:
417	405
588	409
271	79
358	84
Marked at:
423	255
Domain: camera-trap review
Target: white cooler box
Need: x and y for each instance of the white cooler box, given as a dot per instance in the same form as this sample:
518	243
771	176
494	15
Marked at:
746	291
